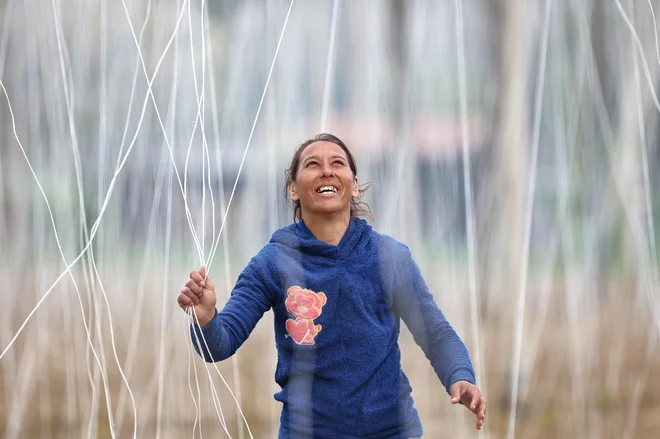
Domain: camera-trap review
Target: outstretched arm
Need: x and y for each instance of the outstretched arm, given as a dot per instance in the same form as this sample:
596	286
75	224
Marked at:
414	303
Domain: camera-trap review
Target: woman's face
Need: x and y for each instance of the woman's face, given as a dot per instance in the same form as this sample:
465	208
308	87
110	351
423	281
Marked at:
325	183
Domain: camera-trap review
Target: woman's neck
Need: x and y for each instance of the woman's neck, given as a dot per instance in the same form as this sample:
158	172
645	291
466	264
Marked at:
328	228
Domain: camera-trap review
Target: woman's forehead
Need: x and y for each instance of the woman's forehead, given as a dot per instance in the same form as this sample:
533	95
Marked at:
323	148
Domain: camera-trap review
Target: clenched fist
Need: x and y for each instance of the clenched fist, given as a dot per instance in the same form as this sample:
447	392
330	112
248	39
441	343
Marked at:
199	293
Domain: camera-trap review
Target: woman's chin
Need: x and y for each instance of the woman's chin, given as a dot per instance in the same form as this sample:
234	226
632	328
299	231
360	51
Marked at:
330	209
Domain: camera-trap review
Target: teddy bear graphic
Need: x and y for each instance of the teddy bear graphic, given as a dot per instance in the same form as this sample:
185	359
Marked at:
306	305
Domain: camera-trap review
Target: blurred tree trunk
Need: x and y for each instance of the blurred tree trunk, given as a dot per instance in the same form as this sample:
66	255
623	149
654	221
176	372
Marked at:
627	99
631	150
6	138
503	229
400	60
403	215
502	199
626	265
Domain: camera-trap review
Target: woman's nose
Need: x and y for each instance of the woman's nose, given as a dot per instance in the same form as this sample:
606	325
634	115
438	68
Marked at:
327	170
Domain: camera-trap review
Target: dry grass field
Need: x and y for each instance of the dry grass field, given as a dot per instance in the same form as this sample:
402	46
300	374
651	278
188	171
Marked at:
601	379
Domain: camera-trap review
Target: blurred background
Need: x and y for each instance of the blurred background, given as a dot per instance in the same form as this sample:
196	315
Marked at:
513	145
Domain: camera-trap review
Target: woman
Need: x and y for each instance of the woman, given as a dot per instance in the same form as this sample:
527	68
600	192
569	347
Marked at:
338	290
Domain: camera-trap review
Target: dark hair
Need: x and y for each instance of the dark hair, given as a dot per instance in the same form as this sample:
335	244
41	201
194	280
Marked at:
359	208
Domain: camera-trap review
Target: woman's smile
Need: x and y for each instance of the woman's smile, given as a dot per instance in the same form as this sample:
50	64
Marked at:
324	182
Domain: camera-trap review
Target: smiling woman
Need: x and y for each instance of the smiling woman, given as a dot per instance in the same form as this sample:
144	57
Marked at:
341	159
338	290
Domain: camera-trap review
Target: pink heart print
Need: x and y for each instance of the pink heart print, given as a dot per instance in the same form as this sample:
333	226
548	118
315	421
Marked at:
302	331
306	305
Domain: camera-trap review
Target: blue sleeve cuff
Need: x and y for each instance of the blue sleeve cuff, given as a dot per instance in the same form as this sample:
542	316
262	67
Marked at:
462	374
209	334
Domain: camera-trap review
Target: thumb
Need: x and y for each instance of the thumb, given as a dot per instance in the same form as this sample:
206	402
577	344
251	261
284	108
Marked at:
455	393
202	271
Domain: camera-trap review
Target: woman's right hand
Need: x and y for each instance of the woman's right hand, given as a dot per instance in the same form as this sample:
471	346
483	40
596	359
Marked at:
199	293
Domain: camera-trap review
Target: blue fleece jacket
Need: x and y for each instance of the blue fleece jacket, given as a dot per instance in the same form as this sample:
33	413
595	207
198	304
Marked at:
337	318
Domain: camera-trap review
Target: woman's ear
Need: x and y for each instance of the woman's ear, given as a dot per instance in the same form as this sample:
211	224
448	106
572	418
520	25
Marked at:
293	191
356	188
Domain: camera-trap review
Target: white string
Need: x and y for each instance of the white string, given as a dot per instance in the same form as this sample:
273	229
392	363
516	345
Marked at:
205	148
247	146
165	298
196	320
654	302
171	155
69	99
92	295
531	191
100	362
97	222
103	207
256	118
134	83
330	65
199	118
191	358
214	393
160	121
201	124
114	349
205	151
640	49
132	350
194	76
168	236
215	244
216	131
655	32
469	205
59	246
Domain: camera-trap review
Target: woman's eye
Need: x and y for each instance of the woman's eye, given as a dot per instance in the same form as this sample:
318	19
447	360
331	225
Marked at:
338	162
312	164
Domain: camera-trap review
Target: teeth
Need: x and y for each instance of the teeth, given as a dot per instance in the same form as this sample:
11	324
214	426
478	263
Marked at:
326	189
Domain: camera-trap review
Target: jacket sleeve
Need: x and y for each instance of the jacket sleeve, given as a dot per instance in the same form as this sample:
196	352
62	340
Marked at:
228	330
413	302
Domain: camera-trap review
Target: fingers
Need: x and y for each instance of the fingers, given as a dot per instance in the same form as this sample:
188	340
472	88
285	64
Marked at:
481	413
205	282
194	287
456	392
192	292
188	297
185	301
474	404
208	284
198	278
471	397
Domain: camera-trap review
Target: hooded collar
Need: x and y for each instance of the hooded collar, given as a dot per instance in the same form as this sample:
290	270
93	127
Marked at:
299	237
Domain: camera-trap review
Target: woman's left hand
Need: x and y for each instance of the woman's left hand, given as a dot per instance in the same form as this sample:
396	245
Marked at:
470	396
